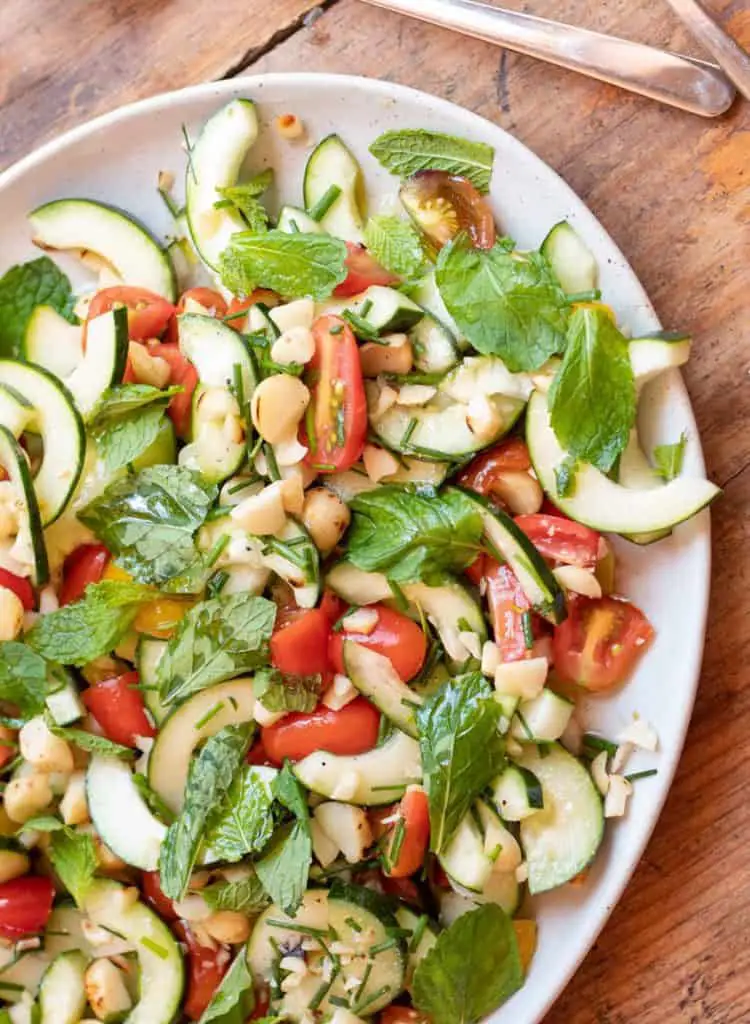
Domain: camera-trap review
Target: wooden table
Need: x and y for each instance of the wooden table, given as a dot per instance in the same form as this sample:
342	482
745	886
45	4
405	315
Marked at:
674	191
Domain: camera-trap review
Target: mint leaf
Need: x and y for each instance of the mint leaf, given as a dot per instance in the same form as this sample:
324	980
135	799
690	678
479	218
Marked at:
292	265
216	640
86	629
128	398
565	477
413	533
592	399
285	867
73	857
246	895
286	693
233	1000
506	303
411	150
209	779
471	970
395	244
669	458
155	803
23	678
149	520
244	822
461	750
92	744
120	440
44	823
22	289
244	198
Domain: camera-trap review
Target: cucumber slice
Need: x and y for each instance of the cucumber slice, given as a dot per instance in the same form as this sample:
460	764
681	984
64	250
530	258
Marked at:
201	716
62	994
501	888
543	719
302	574
464	860
563	838
162	450
375	678
426	294
23	973
571	259
16	412
425	931
433	345
53	342
64	933
485	375
388	309
331	163
601	503
215	162
147	657
103	363
652	356
351	482
64	703
213	450
161	972
120	814
636	472
293	220
114	236
215	350
540	586
376	777
356	586
30	537
63	437
517	793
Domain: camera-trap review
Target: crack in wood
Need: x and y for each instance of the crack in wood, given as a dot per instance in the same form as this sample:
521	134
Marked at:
279	36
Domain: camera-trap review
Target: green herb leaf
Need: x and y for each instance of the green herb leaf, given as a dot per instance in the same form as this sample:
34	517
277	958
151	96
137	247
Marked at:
395	244
92	744
286	693
246	895
462	750
23	678
669	458
120	441
413	533
44	823
128	398
244	198
565	477
506	303
85	630
471	970
22	289
285	867
73	857
216	640
408	151
234	999
293	265
592	399
244	822
149	520
155	803
210	778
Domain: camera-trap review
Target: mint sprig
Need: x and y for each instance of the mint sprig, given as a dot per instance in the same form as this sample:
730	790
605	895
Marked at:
410	150
294	265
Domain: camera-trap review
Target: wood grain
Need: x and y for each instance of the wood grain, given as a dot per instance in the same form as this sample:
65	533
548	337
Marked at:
673	190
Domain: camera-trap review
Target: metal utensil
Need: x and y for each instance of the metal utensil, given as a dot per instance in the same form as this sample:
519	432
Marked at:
735	61
679	81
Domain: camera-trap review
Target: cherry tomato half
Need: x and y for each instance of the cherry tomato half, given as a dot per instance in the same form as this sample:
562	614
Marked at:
509	610
600	641
83	566
363	270
395	636
236	306
352	730
152	894
20	586
510	456
336	425
412	834
213	303
394	1014
560	539
332	606
25	906
443	204
206	968
118	708
148	313
300	648
184	374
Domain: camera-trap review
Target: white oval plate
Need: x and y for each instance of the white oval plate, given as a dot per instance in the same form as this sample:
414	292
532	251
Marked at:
117	158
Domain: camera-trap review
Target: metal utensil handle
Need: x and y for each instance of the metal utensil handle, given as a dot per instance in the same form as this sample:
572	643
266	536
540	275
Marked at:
733	59
678	81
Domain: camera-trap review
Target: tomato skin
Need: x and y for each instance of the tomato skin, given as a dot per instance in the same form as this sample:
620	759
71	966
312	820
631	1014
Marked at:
509	456
118	708
476	570
83	566
560	539
264	295
402	1015
151	886
507	603
148	313
363	270
20	586
25	906
335	379
206	968
300	648
395	636
211	300
185	374
414	811
332	606
443	204
257	754
600	641
352	730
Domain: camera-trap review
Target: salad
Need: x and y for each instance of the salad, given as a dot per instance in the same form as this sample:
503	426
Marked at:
303	566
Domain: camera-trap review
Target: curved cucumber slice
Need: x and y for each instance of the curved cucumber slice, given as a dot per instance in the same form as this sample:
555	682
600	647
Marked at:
433	345
293	220
22	974
103	363
426	294
58	421
375	678
650	357
30	539
571	259
485	375
113	235
215	162
64	933
331	163
53	342
464	859
215	349
415	924
62	994
598	501
560	840
159	958
636	472
388	309
147	657
378	776
120	814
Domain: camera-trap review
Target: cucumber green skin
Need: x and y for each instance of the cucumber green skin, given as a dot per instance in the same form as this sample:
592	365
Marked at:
151	697
389	699
12	458
548	249
162	450
49	996
308	190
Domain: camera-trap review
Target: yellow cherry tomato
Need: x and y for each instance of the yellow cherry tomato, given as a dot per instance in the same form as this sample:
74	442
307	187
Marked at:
161	617
114	572
526	937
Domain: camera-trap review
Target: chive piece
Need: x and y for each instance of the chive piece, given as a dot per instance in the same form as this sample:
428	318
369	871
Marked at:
160	951
318	210
592	742
324	467
211	713
591	296
234	316
360	1007
312	437
419	930
336	329
528	631
219	512
647	774
363	983
238	385
381	947
243	484
189	152
294	226
170	204
354	925
217	550
365	307
215	586
525	726
339	1001
397	841
399	596
323	991
273	466
303	929
410	428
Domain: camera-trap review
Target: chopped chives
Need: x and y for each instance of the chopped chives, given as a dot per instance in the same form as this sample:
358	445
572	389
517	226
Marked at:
155	948
217	551
319	209
525	726
303	929
336	329
365	307
381	947
593	742
339	1001
419	930
211	713
273	466
242	485
327	467
410	428
354	925
647	774
238	315
363	983
528	631
360	1007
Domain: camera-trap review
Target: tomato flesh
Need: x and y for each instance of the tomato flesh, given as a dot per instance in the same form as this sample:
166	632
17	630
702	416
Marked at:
352	730
148	313
83	566
206	968
560	539
332	606
362	270
510	456
212	301
20	586
600	642
413	828
237	306
443	204
185	374
509	609
118	708
25	906
153	895
395	636
394	1014
300	648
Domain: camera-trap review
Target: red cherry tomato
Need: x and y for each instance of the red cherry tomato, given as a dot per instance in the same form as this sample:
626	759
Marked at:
510	456
300	648
332	606
395	636
148	313
352	730
206	968
151	886
402	1015
414	813
83	566
184	374
212	301
363	270
560	539
600	641
118	708
25	906
20	586
264	295
336	430
508	605
476	570
443	204
257	754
